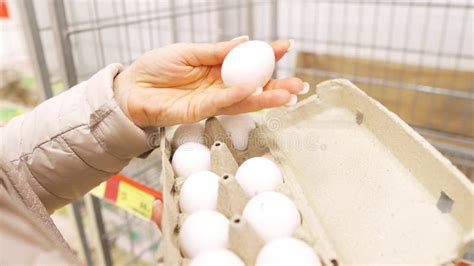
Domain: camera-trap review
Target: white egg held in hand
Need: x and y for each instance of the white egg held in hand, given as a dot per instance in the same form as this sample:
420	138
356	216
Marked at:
258	174
238	128
199	192
191	158
250	62
217	257
287	251
272	215
188	133
203	230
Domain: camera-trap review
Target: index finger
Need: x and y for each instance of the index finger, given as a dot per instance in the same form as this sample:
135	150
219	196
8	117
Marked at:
209	54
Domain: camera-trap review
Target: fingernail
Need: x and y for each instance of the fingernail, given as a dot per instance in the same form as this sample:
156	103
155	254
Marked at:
243	37
305	88
156	203
293	100
258	91
292	45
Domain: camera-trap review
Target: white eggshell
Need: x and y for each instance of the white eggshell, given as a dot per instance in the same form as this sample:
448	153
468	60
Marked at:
251	62
217	257
190	158
272	215
238	128
188	133
287	251
203	230
258	174
199	192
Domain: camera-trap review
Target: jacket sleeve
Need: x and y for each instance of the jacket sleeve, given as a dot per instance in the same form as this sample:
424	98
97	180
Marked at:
72	142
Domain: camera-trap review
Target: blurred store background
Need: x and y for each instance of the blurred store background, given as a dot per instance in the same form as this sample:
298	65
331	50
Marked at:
414	56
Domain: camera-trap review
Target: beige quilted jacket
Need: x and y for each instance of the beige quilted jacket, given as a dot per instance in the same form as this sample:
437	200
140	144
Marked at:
55	154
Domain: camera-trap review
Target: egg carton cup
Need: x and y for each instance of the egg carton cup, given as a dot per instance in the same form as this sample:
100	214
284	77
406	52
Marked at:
369	189
225	160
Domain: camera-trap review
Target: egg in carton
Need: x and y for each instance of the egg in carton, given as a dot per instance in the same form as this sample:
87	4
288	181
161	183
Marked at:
372	191
225	160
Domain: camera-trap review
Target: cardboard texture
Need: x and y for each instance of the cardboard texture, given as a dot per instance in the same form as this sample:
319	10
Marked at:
231	197
424	109
370	190
244	241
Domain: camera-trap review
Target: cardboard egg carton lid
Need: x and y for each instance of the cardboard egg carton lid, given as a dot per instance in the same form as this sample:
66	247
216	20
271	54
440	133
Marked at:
370	189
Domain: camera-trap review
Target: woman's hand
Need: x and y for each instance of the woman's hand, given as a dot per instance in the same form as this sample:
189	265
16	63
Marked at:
181	83
157	212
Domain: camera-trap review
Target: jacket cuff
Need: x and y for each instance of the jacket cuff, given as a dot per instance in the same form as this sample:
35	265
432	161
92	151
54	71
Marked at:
113	130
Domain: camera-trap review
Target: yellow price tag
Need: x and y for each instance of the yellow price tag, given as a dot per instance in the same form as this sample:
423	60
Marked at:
134	200
99	190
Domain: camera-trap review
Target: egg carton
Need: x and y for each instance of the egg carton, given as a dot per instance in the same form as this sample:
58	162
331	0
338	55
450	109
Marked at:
370	190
